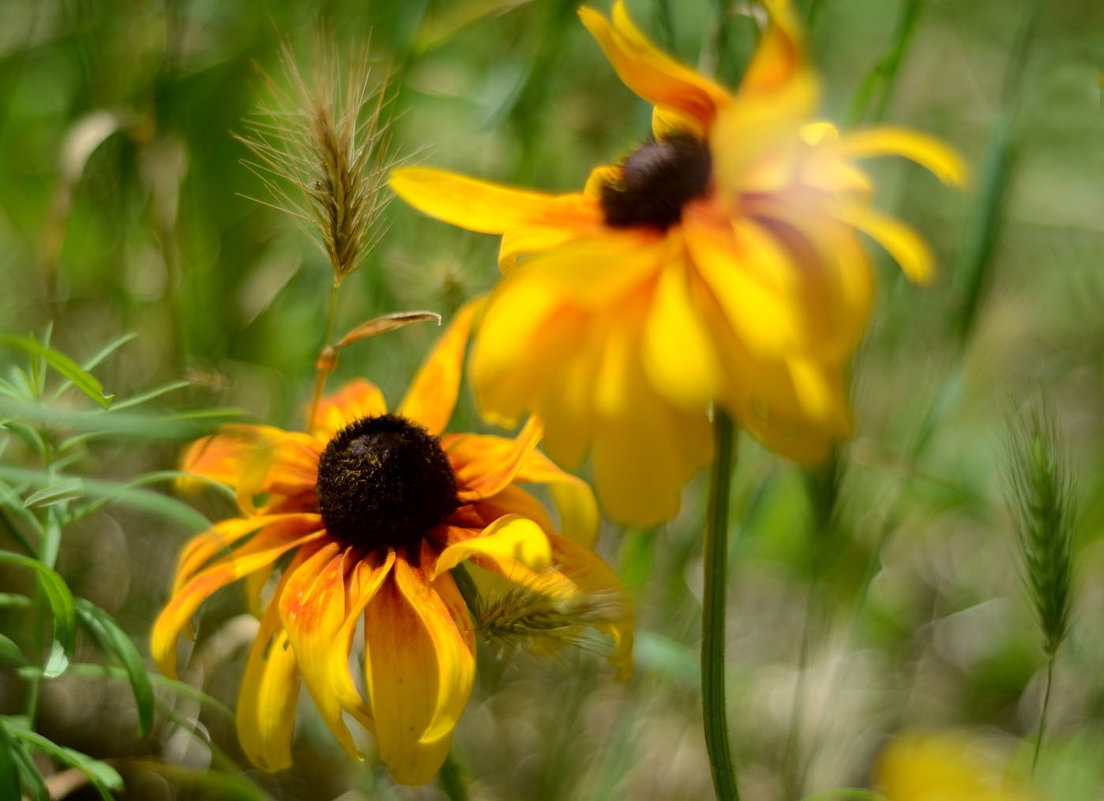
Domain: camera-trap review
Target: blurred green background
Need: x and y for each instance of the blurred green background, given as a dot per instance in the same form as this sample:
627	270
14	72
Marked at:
124	208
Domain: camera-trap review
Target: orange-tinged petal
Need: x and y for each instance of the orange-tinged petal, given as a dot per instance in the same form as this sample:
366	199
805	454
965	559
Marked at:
420	664
925	150
679	357
432	394
523	241
313	608
512	538
356	400
779	58
574	499
652	74
264	549
200	549
484	464
289	460
487	207
269	690
906	246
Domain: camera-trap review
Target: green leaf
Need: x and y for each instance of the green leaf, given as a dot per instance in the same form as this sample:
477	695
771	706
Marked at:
66	490
105	492
151	395
28	774
62	607
69	369
208	783
179	426
103	777
112	639
9	770
9	652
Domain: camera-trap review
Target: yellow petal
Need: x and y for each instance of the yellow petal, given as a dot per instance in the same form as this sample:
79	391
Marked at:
574	499
264	549
679	357
925	150
645	449
752	279
655	76
900	241
779	58
432	394
279	462
420	664
484	465
487	207
313	611
355	401
511	538
269	691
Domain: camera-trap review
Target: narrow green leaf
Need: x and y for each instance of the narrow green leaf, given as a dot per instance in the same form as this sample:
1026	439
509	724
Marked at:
180	426
103	777
9	770
208	783
151	395
10	653
105	492
112	639
66	490
69	369
98	357
11	601
29	776
62	607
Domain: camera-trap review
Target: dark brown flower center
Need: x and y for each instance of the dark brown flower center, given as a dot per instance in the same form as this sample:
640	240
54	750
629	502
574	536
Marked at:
657	179
384	481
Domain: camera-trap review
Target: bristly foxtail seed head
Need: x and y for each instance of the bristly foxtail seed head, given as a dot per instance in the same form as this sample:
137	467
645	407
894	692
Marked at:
1041	498
322	154
523	617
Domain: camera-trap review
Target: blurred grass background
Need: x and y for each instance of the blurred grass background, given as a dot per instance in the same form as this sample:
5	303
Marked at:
123	208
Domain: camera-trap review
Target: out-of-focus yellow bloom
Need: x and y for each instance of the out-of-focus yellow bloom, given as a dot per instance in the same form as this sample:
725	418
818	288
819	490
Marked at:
373	510
720	262
944	767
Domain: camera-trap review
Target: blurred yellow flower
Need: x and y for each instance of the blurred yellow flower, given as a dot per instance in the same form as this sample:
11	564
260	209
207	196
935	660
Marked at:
944	767
719	262
373	509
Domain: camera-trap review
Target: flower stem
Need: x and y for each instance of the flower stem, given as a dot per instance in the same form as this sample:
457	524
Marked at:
1043	713
451	780
713	613
326	357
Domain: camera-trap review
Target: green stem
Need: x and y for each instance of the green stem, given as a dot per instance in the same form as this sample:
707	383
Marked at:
713	613
451	780
792	766
324	366
1043	713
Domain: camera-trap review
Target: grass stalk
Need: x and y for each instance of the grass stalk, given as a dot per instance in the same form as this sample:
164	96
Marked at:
714	707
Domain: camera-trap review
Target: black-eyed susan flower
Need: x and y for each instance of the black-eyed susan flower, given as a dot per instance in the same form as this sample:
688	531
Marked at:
361	518
718	263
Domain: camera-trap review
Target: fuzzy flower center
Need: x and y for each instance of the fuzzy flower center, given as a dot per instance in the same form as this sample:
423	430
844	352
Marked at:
657	179
384	481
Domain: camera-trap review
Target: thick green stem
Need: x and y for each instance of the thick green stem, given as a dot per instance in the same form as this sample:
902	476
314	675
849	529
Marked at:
713	613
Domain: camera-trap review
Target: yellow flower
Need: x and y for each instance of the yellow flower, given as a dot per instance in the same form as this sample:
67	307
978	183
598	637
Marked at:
373	509
943	767
718	263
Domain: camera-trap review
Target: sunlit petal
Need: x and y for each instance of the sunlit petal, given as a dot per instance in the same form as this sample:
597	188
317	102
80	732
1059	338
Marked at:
419	669
511	538
652	74
485	464
356	400
432	393
487	207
